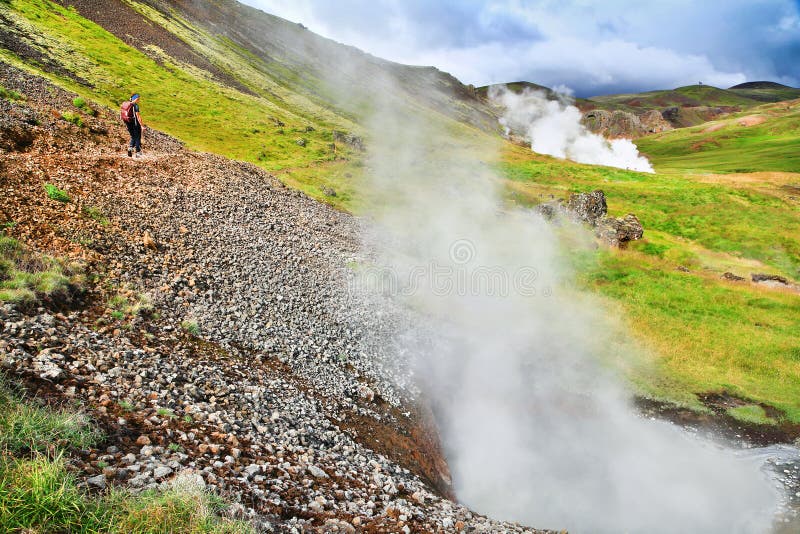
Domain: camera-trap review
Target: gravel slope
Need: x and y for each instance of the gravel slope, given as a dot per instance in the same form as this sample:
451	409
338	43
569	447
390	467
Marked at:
249	372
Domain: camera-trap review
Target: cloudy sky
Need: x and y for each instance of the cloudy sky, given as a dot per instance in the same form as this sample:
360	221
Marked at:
590	46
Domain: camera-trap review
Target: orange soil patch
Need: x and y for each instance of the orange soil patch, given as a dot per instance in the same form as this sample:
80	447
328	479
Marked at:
751	120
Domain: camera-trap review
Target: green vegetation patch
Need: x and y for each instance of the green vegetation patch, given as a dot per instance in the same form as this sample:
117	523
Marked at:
9	94
82	105
96	214
704	334
127	303
27	277
751	413
38	493
28	427
73	118
191	326
766	138
54	193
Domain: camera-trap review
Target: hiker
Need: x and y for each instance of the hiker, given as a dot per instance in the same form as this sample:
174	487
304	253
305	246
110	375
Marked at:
133	120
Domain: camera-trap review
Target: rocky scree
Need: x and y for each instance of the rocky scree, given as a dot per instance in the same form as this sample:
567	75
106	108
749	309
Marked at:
217	339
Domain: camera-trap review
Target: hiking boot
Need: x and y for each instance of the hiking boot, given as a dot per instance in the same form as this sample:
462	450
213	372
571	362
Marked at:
130	152
138	155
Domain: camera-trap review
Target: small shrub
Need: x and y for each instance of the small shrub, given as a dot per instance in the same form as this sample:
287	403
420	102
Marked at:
126	406
174	447
95	214
54	193
191	327
74	118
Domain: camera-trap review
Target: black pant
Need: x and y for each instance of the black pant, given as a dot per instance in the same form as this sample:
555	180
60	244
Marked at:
135	129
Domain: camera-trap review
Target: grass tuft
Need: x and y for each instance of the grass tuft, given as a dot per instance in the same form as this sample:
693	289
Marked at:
40	495
96	214
191	327
27	427
74	118
9	94
54	193
26	277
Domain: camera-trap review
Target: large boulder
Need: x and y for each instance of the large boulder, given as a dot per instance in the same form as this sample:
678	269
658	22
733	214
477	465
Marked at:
592	209
617	231
587	207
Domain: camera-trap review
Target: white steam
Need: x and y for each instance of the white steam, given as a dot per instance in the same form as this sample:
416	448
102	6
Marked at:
535	428
554	128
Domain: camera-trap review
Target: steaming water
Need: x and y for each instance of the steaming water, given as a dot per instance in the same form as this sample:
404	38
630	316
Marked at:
554	128
536	429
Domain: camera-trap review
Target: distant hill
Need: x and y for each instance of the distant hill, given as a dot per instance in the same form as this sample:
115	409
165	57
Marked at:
766	91
632	114
687	96
760	85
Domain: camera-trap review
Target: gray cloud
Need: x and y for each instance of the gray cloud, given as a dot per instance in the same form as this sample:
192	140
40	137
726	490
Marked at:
621	46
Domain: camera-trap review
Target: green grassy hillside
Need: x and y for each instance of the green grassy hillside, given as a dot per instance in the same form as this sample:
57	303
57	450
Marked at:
766	138
766	91
708	334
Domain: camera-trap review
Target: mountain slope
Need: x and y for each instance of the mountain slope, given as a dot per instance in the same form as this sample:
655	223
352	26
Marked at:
274	98
766	91
228	79
764	138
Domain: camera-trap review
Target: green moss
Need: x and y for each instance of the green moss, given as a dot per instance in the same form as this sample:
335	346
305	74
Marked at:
751	413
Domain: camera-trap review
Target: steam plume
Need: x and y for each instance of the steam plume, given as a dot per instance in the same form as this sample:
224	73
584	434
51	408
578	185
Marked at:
536	429
554	128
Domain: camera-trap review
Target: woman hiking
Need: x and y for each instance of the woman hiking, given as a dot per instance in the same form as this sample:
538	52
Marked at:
133	120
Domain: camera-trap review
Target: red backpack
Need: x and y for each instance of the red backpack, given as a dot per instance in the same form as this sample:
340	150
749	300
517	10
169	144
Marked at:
126	111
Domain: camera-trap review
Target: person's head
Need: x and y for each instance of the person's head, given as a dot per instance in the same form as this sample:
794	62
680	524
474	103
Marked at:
135	97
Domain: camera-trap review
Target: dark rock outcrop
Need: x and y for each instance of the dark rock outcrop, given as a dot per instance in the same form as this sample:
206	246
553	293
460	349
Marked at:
348	139
617	231
588	207
592	209
618	123
760	277
732	277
